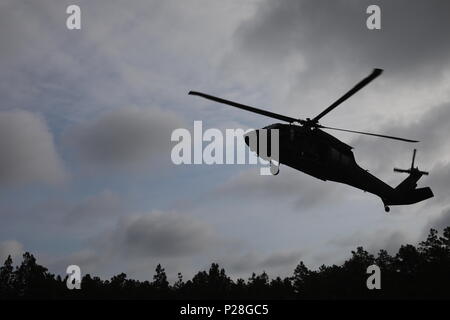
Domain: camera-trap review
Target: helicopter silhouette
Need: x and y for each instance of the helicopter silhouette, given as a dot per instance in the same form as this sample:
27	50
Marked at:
307	148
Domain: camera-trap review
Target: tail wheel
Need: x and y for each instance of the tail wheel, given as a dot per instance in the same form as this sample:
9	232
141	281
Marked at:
274	169
387	209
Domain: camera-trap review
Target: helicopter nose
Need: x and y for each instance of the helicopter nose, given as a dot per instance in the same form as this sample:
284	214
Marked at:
251	139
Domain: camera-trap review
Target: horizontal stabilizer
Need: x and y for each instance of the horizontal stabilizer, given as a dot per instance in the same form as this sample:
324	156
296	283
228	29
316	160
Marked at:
420	194
408	197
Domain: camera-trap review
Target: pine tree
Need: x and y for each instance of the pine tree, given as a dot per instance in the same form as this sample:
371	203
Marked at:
160	279
6	278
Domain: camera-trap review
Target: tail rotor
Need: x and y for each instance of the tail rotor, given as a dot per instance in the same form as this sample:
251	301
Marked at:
412	169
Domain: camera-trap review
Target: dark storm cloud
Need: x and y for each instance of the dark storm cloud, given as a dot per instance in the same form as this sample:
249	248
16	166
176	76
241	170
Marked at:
333	34
126	137
163	235
27	150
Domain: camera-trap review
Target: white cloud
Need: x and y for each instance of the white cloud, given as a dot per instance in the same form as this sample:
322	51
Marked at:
161	234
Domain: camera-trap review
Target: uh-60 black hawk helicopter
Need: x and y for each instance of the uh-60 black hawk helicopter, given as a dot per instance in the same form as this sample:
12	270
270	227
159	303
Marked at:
305	147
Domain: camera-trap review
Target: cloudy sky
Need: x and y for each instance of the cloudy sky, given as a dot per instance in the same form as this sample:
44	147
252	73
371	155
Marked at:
86	118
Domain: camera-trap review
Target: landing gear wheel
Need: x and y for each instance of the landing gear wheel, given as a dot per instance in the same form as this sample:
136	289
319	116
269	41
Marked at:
387	209
274	169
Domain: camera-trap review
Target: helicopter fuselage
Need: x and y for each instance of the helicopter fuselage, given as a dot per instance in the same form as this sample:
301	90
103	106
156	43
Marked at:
325	157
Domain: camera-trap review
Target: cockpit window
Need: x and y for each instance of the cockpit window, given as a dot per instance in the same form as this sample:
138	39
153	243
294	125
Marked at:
339	156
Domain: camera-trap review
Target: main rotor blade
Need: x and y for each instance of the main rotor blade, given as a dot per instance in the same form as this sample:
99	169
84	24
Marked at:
245	107
375	73
368	133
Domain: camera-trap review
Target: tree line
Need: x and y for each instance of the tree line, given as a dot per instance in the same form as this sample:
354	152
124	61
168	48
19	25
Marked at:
421	271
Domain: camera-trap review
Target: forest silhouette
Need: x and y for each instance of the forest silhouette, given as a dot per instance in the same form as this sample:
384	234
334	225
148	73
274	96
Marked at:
417	272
